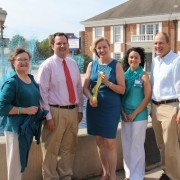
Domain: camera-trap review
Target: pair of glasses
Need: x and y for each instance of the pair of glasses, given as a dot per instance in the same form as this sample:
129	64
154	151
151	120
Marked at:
22	60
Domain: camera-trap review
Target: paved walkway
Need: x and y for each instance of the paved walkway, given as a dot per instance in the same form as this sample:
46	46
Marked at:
154	174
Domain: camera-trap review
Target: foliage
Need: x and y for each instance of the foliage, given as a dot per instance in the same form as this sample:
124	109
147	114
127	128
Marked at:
17	41
43	48
38	50
124	65
87	60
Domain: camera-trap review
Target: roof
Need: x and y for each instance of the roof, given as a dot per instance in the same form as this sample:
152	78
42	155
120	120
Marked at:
139	8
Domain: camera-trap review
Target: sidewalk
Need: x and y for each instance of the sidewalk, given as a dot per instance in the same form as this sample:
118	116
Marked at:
153	174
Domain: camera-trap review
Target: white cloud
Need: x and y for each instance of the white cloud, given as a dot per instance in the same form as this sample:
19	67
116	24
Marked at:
39	18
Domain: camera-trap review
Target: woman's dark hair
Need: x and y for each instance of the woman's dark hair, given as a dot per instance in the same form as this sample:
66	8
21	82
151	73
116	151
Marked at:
17	52
141	53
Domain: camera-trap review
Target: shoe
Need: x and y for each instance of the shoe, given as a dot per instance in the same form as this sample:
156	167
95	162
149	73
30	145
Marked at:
164	177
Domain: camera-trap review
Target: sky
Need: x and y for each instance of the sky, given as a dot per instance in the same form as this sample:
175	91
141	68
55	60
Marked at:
40	18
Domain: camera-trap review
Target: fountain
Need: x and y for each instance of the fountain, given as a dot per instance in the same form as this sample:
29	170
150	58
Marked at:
6	70
80	62
17	41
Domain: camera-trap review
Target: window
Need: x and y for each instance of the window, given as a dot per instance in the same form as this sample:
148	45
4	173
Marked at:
98	32
117	56
117	34
148	62
149	28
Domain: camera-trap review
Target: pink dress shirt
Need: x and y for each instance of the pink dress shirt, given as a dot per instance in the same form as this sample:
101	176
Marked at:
52	83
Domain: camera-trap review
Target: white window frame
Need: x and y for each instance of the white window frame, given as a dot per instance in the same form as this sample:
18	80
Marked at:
94	35
113	34
117	54
99	32
117	34
146	28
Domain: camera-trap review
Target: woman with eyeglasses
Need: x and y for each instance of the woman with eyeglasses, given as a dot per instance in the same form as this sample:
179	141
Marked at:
19	97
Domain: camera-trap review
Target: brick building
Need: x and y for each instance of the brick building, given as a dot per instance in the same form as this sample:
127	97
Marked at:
134	23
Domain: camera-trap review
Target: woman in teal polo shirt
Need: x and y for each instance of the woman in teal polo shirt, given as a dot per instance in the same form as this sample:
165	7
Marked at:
19	97
135	113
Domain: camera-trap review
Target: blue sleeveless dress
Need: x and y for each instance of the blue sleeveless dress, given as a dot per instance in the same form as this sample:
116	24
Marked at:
103	120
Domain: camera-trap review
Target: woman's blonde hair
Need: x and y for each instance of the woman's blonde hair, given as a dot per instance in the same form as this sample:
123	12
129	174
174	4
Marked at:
94	45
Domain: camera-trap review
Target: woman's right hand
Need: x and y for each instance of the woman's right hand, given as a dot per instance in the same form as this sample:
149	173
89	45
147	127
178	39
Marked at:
92	103
124	116
30	110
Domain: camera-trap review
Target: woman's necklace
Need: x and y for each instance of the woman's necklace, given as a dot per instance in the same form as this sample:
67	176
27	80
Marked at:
103	67
105	62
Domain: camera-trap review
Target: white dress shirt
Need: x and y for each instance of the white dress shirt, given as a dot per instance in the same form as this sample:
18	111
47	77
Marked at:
165	77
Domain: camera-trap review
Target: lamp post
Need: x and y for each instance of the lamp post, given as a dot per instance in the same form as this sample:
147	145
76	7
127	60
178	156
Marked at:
3	15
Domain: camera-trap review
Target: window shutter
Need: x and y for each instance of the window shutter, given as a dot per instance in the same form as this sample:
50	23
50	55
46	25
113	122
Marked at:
122	55
112	35
137	29
178	30
160	27
122	34
102	31
93	34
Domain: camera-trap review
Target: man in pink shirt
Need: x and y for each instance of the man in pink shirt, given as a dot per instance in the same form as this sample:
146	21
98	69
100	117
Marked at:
59	133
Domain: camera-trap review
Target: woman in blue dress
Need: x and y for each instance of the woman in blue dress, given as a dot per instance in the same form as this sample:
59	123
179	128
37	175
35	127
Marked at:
135	113
103	115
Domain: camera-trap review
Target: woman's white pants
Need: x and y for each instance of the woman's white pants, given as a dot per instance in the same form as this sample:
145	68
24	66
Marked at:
12	156
133	137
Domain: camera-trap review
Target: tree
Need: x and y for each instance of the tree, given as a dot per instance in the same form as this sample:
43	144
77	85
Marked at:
87	60
17	41
43	48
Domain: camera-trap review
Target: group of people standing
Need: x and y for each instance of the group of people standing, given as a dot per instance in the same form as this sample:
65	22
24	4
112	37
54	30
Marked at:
123	90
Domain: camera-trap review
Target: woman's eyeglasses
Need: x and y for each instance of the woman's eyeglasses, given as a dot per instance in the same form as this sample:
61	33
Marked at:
22	60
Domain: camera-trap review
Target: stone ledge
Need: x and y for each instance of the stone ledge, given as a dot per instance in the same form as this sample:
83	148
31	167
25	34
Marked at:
86	160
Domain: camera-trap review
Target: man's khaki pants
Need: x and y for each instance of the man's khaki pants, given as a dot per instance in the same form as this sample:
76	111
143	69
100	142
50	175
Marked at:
166	132
59	146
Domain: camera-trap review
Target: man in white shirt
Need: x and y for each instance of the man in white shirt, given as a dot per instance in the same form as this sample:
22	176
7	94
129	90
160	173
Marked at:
165	110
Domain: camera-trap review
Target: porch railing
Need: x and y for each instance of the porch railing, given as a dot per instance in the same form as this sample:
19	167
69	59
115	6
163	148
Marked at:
142	38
